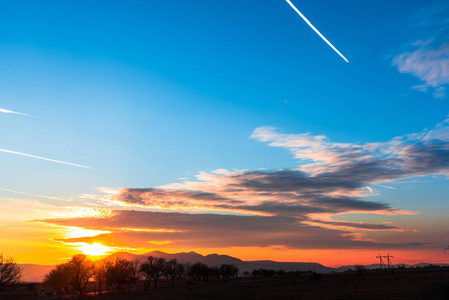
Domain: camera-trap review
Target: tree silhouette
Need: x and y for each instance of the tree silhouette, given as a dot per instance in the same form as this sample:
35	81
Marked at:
100	274
197	271
172	270
229	271
118	273
145	270
134	273
59	278
154	269
75	273
10	272
82	270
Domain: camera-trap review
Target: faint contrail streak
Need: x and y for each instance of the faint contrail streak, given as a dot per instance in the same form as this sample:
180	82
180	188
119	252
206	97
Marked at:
316	30
5	111
34	195
388	187
43	158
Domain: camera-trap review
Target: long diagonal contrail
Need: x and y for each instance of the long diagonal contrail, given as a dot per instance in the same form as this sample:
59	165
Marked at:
316	30
43	158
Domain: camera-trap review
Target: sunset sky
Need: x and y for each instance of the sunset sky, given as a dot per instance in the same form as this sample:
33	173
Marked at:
225	127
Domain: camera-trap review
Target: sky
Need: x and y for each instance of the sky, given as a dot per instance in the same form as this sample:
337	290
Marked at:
225	127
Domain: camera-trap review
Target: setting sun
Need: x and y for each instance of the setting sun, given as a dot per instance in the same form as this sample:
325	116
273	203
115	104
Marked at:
94	249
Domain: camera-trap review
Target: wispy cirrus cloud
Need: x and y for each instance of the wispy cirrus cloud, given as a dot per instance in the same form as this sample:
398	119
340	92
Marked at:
428	57
429	64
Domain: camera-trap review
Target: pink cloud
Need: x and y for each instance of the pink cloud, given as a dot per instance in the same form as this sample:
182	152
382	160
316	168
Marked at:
430	64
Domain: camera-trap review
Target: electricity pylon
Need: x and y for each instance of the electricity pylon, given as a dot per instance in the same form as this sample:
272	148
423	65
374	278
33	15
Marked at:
382	263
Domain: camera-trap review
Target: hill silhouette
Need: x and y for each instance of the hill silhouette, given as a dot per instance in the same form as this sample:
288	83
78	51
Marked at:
35	273
217	259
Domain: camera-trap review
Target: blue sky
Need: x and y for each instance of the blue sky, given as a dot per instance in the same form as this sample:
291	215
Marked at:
150	94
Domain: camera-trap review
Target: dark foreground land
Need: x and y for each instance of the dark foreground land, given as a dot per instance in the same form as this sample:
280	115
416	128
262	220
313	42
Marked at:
425	283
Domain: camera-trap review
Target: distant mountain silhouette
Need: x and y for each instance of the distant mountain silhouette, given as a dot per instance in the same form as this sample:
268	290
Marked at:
216	260
286	266
183	257
124	255
36	273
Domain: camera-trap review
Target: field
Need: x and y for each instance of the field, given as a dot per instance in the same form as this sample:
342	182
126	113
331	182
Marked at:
423	283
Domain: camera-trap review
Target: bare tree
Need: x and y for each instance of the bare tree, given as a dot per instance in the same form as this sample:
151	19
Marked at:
134	273
172	269
59	278
10	272
229	271
197	271
181	273
153	268
118	273
145	270
100	274
75	273
82	270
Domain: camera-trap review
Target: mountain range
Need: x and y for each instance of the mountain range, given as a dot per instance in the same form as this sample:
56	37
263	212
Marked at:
36	273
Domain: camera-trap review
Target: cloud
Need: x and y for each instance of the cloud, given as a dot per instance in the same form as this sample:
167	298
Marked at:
296	208
212	231
428	58
429	64
43	158
357	225
349	166
5	111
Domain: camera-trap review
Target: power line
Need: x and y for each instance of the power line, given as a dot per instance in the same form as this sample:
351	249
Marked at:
427	259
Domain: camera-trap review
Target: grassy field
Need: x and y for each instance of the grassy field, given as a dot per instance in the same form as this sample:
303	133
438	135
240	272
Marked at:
425	283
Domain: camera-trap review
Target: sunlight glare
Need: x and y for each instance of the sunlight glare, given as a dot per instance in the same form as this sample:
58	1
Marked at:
94	249
78	232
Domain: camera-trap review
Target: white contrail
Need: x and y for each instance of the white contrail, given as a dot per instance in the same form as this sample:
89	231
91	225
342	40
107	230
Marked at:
384	186
43	158
34	195
5	111
316	30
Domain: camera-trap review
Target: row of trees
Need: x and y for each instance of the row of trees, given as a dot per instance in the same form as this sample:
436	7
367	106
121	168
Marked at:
121	273
273	273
